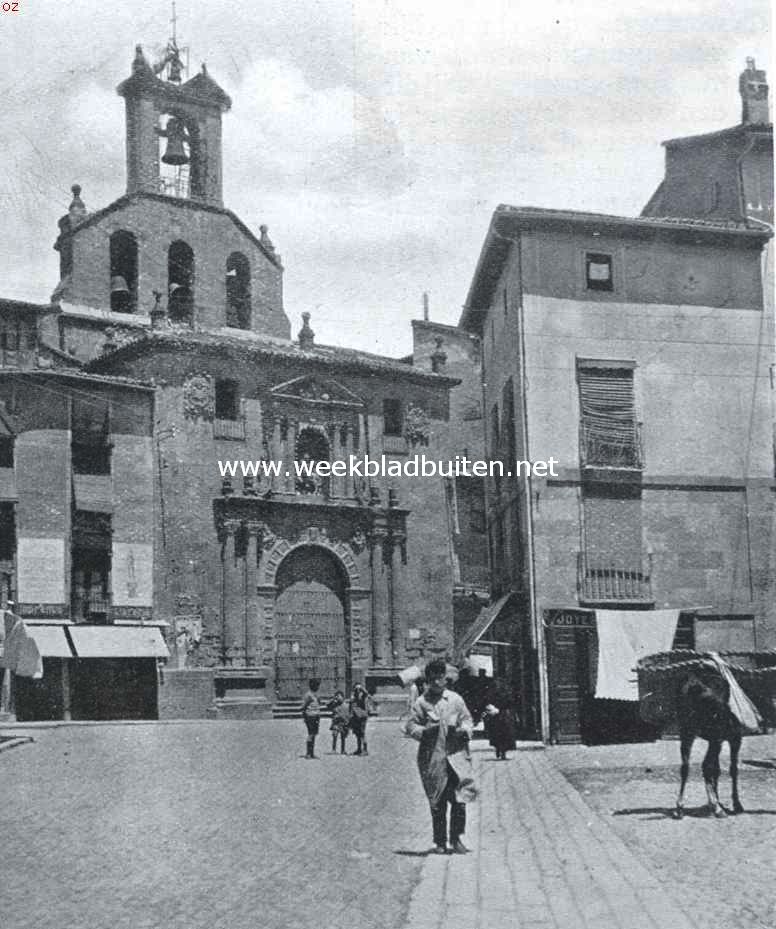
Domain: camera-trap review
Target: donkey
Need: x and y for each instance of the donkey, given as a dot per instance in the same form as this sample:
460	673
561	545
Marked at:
703	711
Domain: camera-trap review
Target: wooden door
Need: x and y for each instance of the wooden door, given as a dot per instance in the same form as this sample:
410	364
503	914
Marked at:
310	628
569	642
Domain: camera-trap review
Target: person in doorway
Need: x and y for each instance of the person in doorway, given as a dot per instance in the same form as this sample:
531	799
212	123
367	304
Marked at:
340	721
359	714
441	722
311	714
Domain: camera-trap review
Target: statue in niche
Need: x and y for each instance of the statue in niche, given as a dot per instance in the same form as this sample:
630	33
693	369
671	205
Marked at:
417	426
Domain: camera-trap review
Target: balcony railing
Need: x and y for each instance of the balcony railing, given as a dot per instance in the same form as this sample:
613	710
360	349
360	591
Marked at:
622	453
229	428
474	575
394	445
600	583
90	608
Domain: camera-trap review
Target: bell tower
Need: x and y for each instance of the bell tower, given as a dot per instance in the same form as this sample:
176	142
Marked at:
173	129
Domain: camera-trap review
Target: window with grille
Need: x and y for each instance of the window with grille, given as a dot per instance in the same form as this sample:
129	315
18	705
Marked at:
90	567
609	432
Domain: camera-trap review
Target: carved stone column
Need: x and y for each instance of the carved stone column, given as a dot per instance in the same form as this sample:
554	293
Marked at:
232	595
399	600
275	452
381	606
288	458
348	479
252	612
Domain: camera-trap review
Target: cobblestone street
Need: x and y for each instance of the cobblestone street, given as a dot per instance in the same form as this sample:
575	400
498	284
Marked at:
225	825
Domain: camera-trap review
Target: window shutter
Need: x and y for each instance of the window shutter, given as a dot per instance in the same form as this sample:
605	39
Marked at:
607	403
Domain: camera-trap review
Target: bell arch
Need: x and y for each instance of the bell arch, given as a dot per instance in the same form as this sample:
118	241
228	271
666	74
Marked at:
238	291
123	271
180	282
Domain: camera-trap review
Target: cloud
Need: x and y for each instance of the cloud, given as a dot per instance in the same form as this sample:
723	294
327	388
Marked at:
375	138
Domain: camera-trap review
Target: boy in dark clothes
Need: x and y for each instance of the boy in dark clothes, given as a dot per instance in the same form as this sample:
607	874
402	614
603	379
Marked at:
311	714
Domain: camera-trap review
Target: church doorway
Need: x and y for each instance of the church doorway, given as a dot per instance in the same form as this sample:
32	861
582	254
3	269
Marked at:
310	623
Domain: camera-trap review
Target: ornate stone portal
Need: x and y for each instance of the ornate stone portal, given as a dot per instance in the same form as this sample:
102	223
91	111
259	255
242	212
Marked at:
301	600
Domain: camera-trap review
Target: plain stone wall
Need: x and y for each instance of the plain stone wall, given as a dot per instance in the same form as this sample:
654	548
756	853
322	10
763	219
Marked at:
186	694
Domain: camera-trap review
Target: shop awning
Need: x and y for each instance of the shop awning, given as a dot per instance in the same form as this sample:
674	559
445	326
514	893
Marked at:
51	641
118	642
481	624
26	646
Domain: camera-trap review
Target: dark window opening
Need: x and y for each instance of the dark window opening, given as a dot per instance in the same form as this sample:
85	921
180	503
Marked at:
393	417
10	335
180	282
311	447
90	436
238	291
7	532
495	429
598	271
6	451
123	272
227	399
508	421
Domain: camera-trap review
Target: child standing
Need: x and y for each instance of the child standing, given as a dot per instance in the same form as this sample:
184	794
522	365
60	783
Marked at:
340	720
359	713
311	714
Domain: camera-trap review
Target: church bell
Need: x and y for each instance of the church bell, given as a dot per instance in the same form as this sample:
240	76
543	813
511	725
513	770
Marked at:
175	153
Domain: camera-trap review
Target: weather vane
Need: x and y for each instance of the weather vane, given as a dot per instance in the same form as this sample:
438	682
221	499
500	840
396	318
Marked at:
172	54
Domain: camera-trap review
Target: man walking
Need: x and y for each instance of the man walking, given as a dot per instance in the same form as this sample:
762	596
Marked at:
441	722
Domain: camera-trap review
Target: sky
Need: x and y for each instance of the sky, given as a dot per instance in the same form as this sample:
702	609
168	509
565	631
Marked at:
374	137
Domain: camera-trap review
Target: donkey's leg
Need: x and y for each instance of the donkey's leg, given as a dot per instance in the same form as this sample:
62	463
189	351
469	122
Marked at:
685	747
710	769
735	748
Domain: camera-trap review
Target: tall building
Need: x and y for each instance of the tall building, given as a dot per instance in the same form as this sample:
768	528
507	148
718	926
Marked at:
76	530
637	353
262	580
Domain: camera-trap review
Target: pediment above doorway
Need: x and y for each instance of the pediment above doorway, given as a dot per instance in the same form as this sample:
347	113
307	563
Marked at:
311	389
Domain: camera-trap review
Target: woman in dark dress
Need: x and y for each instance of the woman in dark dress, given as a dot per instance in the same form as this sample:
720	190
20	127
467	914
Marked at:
500	720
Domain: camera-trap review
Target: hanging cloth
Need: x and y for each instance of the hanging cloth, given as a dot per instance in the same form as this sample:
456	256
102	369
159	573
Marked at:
739	704
625	636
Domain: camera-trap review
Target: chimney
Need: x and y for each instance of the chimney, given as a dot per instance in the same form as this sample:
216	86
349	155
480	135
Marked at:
306	335
753	88
438	356
76	210
425	306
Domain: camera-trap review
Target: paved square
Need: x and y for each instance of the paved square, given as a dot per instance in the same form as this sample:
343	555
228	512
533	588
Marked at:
225	825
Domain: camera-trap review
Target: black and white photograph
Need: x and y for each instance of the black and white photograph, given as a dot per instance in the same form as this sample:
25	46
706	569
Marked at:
387	465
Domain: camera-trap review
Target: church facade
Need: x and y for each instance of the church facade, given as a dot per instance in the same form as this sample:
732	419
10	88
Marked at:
260	580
